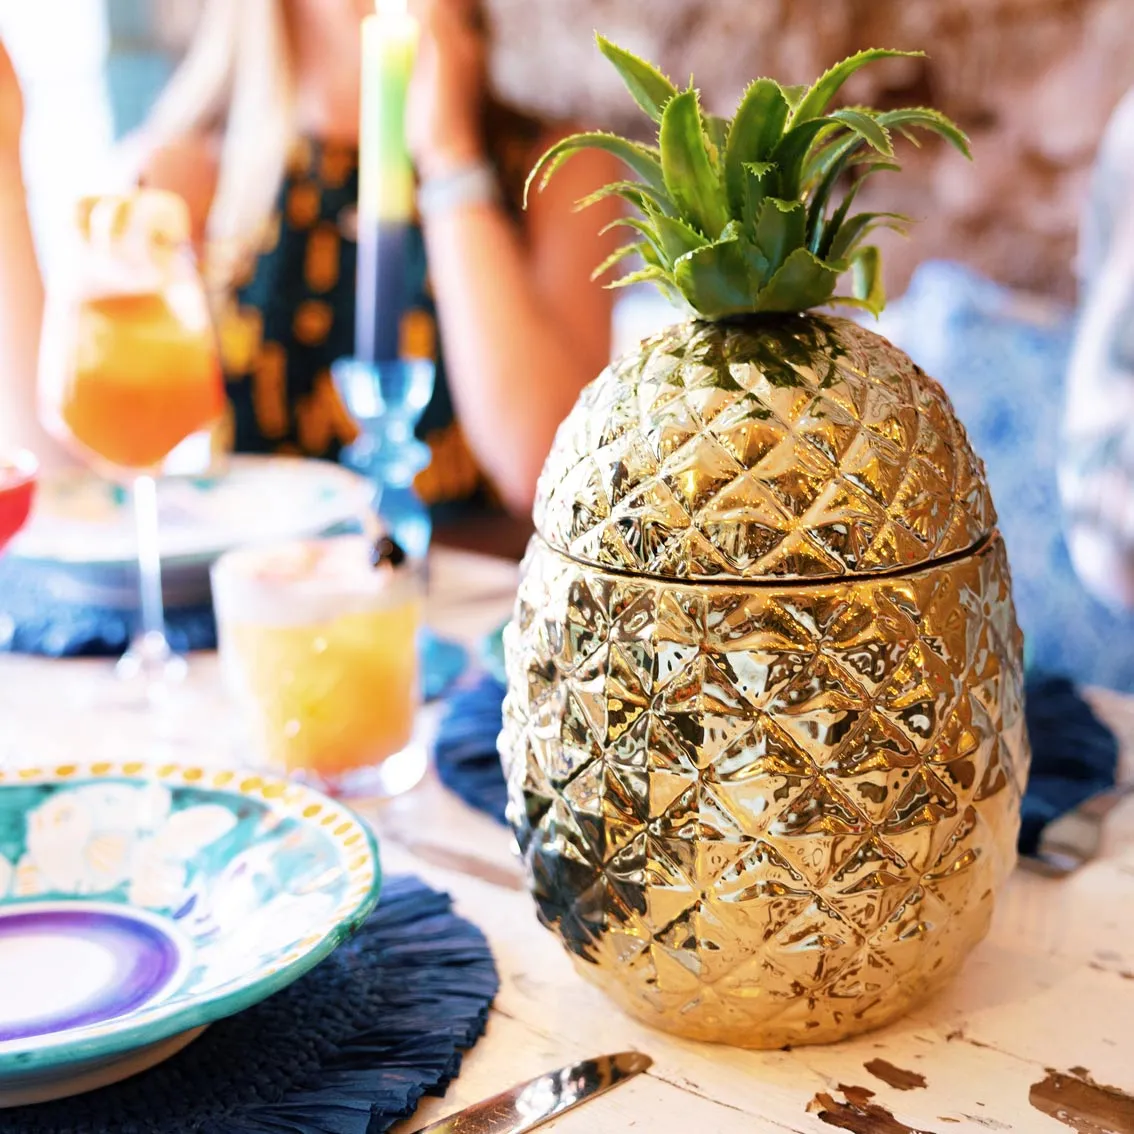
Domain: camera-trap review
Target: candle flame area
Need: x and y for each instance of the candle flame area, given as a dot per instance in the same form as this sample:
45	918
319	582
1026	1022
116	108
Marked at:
391	7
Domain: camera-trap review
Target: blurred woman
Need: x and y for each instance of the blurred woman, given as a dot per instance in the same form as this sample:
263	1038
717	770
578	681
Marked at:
258	131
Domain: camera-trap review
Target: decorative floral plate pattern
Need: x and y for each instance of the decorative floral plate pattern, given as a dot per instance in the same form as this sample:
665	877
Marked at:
139	903
82	520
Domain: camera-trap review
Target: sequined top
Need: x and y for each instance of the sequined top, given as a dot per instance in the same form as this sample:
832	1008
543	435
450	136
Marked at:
291	315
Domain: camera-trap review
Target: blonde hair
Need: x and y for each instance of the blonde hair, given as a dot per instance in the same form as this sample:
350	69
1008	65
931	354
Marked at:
238	75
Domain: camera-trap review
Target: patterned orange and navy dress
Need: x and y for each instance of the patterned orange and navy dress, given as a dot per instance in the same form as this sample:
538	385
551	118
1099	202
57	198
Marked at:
291	316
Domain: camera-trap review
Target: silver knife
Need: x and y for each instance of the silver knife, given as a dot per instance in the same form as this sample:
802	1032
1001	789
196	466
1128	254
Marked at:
539	1100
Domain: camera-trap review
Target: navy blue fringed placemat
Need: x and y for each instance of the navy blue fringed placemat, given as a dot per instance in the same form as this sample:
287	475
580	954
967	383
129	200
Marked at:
464	749
1074	755
58	625
350	1048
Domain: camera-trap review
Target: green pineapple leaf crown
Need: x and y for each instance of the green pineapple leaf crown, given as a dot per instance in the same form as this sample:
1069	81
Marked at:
753	214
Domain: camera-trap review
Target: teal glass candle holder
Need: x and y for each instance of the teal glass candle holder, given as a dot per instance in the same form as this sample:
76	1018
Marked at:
387	400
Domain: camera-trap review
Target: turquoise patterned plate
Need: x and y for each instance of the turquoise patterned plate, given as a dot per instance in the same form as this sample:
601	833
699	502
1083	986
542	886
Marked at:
82	528
138	904
81	519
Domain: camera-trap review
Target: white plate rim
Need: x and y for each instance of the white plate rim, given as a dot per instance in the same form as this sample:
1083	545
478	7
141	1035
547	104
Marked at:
356	493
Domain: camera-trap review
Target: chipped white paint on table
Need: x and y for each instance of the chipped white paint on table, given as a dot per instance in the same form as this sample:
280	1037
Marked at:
1052	988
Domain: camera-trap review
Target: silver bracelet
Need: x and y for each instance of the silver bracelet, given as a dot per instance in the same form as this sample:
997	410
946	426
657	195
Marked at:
474	184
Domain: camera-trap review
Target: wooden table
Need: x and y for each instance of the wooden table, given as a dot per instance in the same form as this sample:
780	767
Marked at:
1044	1007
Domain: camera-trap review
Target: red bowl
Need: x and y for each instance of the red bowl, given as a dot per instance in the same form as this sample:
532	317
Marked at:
17	489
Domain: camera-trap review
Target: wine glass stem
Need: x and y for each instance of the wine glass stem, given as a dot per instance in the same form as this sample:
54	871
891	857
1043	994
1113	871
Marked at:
149	558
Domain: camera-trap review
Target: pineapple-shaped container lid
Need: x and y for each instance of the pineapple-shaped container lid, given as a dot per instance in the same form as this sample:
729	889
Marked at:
758	441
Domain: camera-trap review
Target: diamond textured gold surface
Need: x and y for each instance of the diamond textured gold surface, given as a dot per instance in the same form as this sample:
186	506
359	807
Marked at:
805	448
764	732
766	815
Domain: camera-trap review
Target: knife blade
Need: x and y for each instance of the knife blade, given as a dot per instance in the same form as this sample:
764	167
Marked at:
531	1104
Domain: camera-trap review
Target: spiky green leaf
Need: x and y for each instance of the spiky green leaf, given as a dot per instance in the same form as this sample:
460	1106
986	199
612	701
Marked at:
653	257
689	177
866	276
794	93
817	207
675	237
736	216
716	279
634	248
802	281
827	145
926	118
826	229
643	160
637	194
716	130
755	131
758	176
650	89
848	301
649	274
866	126
855	228
780	229
814	103
818	225
791	153
645	228
845	150
639	224
821	156
848	150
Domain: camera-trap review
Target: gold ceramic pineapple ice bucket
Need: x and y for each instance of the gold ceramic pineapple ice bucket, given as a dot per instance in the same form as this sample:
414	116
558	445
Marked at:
764	732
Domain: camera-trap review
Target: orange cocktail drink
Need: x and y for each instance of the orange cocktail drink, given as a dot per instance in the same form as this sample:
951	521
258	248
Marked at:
132	369
128	369
145	377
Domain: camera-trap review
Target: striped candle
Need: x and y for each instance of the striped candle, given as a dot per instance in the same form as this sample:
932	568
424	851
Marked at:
386	181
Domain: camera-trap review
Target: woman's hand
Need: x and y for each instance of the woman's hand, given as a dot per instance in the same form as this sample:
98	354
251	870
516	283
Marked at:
188	166
446	97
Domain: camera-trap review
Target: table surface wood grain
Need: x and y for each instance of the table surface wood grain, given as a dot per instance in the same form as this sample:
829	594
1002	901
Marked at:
1036	1037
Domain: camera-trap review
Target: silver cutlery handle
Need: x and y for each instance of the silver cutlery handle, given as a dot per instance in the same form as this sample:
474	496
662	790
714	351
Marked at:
539	1100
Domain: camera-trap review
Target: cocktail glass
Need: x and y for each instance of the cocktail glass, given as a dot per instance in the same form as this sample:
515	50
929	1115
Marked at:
129	368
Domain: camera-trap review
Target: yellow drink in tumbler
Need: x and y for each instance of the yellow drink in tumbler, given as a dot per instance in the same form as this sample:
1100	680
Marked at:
322	647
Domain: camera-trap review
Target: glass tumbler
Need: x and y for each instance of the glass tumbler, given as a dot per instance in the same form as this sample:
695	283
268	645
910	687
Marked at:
320	648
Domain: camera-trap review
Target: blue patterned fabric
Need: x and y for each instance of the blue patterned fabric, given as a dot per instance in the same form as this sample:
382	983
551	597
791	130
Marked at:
350	1048
1004	368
